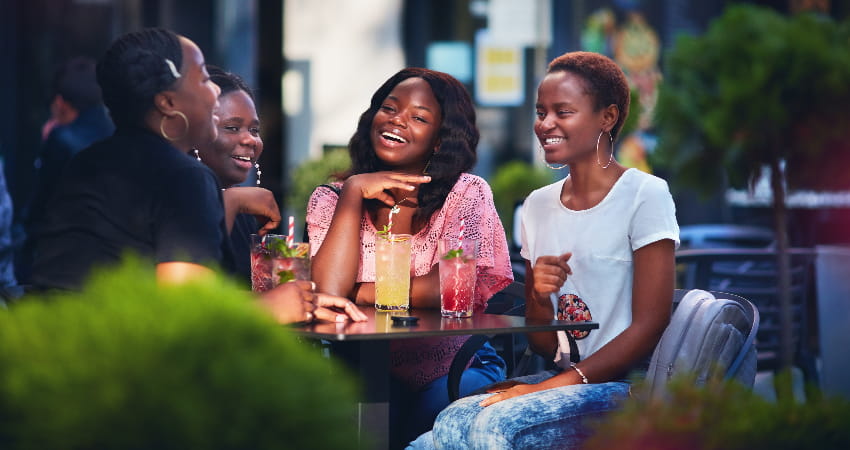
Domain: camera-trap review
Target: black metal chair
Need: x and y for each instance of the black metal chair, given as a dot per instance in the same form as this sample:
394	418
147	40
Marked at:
509	301
752	274
718	235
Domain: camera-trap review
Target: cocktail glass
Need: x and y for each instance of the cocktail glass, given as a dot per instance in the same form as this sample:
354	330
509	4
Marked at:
458	273
274	262
291	263
392	270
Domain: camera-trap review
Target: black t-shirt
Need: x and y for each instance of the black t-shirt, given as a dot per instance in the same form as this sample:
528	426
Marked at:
240	241
133	191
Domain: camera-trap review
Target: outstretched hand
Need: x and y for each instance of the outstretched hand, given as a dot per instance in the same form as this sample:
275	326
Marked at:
296	301
375	185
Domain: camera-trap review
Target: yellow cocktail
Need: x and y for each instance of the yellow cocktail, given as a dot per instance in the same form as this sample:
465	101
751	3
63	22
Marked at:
392	270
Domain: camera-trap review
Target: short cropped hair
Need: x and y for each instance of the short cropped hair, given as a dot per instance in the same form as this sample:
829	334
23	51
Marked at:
604	81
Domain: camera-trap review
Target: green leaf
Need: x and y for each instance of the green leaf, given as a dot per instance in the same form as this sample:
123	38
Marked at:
285	275
454	253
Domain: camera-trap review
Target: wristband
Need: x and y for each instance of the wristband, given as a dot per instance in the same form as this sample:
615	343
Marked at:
580	373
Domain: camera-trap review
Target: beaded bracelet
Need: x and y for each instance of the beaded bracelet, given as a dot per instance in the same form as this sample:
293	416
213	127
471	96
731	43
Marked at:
580	373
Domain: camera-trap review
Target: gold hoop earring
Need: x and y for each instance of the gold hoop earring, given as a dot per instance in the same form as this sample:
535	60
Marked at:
543	155
162	126
611	144
427	165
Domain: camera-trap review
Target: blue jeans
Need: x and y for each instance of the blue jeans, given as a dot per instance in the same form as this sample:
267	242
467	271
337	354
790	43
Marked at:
552	419
413	413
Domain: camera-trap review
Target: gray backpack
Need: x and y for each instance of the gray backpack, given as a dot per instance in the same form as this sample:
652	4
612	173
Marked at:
706	334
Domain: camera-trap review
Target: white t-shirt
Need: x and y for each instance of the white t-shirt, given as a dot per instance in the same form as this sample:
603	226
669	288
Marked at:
638	210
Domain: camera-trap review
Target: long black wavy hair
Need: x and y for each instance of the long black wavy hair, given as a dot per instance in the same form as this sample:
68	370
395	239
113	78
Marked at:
134	69
458	137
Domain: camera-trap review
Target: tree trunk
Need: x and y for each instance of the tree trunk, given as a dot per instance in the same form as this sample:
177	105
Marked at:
783	259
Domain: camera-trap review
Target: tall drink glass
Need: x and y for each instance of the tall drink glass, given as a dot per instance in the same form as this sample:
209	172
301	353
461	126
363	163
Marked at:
290	263
458	273
273	262
392	270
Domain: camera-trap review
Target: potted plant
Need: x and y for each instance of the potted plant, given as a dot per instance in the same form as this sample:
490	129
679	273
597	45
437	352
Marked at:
759	90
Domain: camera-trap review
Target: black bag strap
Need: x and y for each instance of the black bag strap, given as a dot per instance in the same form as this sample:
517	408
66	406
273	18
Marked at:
575	357
336	189
305	237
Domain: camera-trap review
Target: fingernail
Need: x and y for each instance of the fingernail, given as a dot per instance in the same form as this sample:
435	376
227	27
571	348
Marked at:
340	317
312	285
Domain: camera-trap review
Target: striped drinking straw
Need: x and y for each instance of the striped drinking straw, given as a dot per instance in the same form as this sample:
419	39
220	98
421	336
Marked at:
290	238
460	236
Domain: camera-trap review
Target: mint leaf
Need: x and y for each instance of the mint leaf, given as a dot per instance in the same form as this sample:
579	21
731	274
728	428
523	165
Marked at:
454	253
279	247
285	275
385	233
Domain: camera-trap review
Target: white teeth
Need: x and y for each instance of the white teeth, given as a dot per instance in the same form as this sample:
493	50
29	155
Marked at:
241	158
393	137
551	141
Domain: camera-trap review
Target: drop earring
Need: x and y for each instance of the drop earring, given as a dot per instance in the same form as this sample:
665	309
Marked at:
259	172
197	154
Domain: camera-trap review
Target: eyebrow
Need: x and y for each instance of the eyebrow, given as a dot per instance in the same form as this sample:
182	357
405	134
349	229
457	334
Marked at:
424	108
556	105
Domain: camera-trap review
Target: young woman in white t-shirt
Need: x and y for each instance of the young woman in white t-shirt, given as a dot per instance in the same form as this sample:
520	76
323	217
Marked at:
599	245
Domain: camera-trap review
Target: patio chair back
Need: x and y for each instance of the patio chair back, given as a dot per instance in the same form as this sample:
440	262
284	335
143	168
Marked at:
709	332
753	274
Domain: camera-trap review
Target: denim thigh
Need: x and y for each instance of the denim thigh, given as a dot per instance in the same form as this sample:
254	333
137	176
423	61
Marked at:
555	418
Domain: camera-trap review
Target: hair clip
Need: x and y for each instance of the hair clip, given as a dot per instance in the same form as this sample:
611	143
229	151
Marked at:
173	68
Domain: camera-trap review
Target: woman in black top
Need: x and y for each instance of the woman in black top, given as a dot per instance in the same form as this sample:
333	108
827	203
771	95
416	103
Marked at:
234	154
139	190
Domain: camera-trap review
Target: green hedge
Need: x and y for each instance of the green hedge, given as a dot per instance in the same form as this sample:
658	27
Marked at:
724	415
128	364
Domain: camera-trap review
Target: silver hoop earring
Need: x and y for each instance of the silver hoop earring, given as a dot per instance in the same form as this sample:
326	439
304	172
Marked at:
543	155
611	145
197	154
259	172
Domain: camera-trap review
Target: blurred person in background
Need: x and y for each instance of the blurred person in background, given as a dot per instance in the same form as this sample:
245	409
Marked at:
78	119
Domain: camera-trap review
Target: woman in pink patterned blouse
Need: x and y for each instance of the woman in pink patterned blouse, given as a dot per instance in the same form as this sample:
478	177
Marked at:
412	149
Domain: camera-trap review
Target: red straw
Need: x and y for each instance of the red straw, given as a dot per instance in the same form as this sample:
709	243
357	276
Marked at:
290	238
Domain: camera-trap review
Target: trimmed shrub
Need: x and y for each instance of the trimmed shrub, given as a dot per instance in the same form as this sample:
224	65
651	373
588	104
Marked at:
723	415
129	364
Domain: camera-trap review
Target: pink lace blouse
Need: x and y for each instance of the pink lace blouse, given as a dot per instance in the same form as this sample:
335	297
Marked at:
420	361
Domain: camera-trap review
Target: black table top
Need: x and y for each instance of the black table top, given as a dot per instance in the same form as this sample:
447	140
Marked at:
380	326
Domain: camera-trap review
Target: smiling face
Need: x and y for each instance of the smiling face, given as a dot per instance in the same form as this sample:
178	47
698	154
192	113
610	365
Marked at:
405	129
196	96
238	146
568	123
